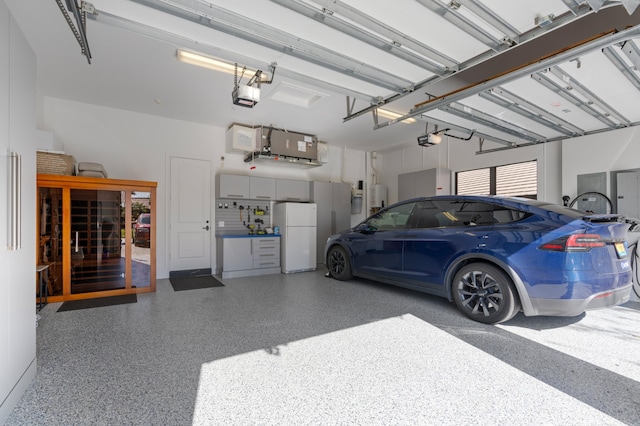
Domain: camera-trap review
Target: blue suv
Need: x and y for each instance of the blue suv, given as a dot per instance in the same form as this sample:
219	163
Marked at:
492	256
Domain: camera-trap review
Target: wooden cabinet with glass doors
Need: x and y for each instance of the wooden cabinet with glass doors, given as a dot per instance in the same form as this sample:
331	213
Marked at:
86	230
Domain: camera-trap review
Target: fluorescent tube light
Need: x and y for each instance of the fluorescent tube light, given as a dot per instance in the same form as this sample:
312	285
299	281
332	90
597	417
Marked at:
214	64
394	115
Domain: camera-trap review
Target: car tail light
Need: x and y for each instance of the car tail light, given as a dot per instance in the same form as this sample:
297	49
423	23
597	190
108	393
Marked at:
575	242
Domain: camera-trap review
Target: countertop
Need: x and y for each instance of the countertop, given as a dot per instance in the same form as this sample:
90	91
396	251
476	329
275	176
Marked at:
247	236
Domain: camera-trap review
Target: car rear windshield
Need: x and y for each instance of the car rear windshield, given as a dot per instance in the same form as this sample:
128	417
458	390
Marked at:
573	213
145	219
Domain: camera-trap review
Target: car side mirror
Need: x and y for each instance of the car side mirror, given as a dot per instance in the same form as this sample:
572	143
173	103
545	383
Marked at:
365	228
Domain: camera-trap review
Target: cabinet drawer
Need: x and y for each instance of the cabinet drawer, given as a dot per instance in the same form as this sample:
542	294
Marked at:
266	255
266	263
265	244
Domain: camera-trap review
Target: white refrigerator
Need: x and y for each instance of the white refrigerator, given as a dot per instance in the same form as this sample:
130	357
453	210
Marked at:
297	222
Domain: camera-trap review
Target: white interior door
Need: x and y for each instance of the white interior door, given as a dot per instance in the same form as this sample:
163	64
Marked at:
190	214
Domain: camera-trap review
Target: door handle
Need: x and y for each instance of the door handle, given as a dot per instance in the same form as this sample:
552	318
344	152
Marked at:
206	227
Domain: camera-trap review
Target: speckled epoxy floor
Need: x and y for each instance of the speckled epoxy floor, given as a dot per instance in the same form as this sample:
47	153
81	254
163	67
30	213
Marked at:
304	349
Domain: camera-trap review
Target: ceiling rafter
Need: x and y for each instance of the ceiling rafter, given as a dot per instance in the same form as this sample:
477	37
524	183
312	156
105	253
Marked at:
468	65
232	23
490	96
343	9
492	18
558	122
588	94
335	22
556	59
453	15
622	66
477	116
575	100
169	37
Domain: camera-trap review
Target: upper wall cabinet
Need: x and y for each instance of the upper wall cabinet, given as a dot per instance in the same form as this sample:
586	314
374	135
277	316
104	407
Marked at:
233	186
262	188
292	190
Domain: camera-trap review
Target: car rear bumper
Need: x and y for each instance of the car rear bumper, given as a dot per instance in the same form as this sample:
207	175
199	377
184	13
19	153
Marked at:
573	307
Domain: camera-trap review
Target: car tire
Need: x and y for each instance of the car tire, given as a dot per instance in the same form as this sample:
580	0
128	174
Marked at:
339	264
485	293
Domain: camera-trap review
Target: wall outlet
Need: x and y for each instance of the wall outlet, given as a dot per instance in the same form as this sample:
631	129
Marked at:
221	224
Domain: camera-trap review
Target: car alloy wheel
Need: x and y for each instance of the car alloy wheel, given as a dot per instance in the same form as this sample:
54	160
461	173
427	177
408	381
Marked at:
339	264
484	293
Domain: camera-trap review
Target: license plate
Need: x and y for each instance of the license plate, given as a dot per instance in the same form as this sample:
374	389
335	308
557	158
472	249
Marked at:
621	250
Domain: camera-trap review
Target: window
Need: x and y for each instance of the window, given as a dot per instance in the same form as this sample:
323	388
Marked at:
464	213
474	182
511	180
393	218
454	213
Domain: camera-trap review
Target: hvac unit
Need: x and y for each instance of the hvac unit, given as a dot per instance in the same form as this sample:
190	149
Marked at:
240	138
292	144
282	147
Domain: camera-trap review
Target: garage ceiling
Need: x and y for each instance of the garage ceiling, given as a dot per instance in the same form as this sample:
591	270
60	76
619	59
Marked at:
508	74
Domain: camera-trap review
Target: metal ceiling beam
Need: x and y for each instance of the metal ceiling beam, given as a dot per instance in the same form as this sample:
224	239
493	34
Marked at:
587	93
573	6
563	92
356	15
565	31
588	133
551	60
491	18
236	25
463	23
188	43
468	113
631	50
524	111
622	66
574	130
327	18
79	30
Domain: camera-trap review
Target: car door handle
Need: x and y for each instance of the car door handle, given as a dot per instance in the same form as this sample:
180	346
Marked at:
206	227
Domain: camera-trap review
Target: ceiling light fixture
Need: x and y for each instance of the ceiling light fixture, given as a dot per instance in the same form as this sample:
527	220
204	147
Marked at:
213	64
394	116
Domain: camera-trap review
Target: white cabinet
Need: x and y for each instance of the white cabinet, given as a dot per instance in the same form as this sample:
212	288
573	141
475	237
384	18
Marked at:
292	190
266	252
249	256
262	188
237	254
233	186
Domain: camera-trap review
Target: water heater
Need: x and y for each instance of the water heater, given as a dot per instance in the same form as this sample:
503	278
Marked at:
378	196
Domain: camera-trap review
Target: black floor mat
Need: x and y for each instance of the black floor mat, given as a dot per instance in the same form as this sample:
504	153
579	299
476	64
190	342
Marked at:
193	283
73	305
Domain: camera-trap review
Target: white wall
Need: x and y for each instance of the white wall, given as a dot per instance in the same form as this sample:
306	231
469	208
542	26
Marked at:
135	146
611	151
458	155
17	267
